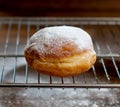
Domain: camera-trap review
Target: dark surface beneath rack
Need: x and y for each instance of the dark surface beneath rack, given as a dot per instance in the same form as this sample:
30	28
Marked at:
14	71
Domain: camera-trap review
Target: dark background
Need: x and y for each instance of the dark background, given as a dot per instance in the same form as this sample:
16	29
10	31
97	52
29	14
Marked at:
60	8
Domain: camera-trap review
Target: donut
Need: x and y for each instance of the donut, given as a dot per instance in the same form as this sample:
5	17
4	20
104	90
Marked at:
60	51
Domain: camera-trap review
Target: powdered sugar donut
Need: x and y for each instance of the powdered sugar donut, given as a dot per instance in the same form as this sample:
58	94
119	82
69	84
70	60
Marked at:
60	51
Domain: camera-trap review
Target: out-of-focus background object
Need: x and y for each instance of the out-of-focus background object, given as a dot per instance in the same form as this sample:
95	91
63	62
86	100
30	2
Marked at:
80	8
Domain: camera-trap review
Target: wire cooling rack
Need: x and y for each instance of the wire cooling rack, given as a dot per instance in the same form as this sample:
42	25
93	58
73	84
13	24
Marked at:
14	71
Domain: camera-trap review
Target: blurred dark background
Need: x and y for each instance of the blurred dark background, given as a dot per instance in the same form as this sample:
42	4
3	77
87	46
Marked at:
66	8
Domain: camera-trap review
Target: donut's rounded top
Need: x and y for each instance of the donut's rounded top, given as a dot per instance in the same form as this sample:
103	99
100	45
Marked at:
59	42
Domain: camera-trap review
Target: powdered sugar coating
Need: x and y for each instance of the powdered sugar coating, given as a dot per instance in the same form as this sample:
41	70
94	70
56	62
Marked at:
50	40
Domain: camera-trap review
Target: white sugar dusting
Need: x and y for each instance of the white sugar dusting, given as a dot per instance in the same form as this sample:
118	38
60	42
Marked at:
57	35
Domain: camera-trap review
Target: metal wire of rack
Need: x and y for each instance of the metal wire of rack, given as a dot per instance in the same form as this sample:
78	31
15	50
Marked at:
14	71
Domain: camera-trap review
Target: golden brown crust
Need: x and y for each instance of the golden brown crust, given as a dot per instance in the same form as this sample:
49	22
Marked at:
66	49
65	66
60	51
